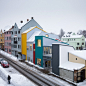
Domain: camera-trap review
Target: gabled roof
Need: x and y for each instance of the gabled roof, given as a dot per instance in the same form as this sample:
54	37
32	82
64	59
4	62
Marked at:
32	38
31	28
79	53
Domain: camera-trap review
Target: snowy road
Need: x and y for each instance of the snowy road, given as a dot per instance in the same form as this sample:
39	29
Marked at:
17	78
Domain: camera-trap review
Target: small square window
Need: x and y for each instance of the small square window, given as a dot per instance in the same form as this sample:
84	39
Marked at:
77	43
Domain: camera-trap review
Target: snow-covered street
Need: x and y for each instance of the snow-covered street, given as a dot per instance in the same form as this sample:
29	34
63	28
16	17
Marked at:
17	79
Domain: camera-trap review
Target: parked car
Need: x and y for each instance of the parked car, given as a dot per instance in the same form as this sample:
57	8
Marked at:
1	59
4	63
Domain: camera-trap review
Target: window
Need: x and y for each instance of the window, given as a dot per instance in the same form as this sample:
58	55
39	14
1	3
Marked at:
9	50
9	44
82	43
68	39
1	34
39	62
77	43
74	39
19	39
12	32
15	32
28	58
27	47
1	39
19	46
76	58
82	39
76	48
50	50
15	46
7	38
7	32
19	32
46	35
30	46
39	43
46	50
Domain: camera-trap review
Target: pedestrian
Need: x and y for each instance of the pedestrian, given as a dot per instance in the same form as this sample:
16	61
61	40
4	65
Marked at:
8	79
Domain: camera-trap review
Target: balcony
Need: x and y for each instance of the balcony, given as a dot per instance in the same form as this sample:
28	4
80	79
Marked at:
15	42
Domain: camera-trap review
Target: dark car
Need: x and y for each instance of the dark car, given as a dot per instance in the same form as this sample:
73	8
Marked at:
4	64
1	59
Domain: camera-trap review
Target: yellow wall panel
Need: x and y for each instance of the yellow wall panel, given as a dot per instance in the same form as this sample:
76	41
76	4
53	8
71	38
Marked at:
23	43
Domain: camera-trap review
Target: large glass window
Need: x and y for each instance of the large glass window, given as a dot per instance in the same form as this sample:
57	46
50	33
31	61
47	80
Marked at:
46	50
50	50
39	43
39	62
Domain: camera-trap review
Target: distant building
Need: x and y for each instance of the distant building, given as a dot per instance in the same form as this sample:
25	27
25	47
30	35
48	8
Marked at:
7	41
77	41
1	40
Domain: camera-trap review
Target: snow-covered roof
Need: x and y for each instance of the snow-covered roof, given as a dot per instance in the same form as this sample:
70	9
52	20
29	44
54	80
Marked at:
29	29
79	53
32	38
71	66
72	36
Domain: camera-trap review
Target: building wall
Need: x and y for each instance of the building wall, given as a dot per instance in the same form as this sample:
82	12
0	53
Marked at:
74	43
7	41
66	74
49	41
64	53
1	40
23	41
30	52
55	58
39	50
82	69
72	58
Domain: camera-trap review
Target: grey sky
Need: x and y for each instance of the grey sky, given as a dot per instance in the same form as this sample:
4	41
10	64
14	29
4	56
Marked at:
52	15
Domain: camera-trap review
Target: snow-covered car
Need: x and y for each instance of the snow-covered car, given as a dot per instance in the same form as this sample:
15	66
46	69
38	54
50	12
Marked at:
4	63
1	59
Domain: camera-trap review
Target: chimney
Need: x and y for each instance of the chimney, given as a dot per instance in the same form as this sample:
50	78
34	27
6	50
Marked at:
31	17
27	20
21	21
12	26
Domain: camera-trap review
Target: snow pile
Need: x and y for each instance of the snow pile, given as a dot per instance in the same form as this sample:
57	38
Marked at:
8	55
16	79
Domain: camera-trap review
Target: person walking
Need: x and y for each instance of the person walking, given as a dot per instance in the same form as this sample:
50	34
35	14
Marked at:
8	79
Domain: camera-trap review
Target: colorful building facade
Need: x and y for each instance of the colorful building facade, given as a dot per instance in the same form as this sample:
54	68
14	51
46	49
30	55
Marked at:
43	51
16	36
77	41
7	41
1	40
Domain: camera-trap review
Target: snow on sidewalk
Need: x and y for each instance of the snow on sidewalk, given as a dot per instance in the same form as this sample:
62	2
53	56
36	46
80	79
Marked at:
16	79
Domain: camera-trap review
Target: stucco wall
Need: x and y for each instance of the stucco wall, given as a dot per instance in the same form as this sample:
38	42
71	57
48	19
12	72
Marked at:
72	58
64	53
66	74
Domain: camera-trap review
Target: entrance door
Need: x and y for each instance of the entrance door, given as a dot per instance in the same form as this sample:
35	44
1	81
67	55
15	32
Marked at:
45	63
83	74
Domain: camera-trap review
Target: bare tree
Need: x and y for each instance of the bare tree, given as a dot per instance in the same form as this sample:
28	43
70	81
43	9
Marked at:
61	33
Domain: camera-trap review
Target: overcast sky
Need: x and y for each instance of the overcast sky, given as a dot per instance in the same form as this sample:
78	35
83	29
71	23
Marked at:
52	15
